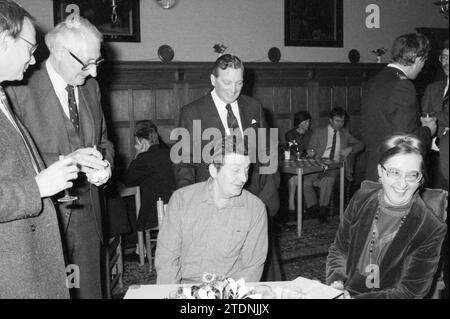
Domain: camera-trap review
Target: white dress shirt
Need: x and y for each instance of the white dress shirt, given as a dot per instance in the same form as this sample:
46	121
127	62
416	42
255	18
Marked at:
59	86
223	112
337	151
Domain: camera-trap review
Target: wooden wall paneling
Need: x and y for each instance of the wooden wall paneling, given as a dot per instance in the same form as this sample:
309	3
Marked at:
165	104
281	100
340	97
144	106
118	101
299	99
313	102
325	103
354	100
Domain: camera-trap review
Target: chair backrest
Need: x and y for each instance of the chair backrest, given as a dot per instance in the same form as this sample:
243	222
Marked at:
132	191
436	199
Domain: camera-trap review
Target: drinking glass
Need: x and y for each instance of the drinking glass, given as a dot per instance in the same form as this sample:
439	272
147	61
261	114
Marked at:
67	197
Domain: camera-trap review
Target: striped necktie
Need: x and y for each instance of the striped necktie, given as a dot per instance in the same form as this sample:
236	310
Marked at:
18	126
333	146
73	109
231	119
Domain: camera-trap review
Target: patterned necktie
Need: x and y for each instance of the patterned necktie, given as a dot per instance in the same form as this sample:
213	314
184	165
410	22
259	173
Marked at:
25	138
333	146
231	119
73	109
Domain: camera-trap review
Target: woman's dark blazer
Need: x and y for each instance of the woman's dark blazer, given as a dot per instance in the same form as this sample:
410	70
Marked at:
152	171
412	258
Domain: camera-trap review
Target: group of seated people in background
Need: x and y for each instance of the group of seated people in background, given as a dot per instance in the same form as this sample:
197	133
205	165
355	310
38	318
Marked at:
221	206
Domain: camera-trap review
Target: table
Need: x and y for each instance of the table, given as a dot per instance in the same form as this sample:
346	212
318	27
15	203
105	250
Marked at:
314	289
310	166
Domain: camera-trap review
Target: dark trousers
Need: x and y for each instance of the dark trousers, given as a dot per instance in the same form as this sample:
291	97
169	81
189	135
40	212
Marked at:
82	247
272	268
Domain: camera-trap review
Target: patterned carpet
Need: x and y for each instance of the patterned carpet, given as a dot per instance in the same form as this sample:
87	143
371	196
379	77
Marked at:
303	256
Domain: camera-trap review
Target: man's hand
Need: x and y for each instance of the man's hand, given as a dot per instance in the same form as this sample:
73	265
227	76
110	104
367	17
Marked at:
141	148
346	151
88	159
57	177
100	177
429	122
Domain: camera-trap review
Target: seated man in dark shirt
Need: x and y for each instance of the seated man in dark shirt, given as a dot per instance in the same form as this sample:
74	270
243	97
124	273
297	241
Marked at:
152	171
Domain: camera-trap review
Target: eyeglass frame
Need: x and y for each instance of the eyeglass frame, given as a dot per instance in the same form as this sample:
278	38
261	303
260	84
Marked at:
88	65
389	174
33	46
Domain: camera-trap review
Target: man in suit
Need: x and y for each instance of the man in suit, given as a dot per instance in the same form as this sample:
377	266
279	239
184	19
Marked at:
230	112
31	253
435	104
60	106
332	142
391	103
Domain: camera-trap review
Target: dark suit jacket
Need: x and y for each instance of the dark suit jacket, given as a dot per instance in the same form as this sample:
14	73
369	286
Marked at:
319	141
31	255
152	171
389	106
265	186
408	267
37	105
432	102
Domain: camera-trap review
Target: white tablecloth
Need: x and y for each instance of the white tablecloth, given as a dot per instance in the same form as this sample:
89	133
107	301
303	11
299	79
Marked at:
313	289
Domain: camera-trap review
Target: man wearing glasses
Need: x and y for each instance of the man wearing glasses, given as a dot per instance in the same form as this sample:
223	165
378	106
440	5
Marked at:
60	106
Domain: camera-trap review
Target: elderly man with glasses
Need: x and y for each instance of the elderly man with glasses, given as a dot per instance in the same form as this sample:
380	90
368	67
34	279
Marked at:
60	106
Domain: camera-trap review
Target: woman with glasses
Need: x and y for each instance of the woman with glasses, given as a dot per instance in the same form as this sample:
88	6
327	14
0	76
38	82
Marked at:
388	243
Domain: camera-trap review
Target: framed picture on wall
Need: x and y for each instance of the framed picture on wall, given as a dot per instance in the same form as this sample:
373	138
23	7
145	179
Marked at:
117	20
313	23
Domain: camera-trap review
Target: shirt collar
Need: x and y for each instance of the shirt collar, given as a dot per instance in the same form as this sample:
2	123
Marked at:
219	103
206	195
57	81
398	67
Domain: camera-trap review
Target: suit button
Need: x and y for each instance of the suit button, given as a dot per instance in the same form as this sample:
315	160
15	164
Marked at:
33	228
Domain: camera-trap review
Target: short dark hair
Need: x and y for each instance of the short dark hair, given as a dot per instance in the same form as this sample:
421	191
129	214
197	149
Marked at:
148	130
338	111
301	117
229	144
401	143
12	16
227	61
408	47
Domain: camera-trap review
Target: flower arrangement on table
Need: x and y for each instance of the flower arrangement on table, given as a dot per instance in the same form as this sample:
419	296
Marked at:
292	147
379	53
217	287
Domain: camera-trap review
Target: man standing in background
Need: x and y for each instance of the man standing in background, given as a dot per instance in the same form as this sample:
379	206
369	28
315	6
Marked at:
391	103
60	106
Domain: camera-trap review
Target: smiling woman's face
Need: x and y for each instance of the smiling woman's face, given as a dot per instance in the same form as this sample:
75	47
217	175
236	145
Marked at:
398	184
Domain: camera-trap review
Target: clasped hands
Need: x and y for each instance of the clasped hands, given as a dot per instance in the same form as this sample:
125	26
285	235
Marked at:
430	122
90	161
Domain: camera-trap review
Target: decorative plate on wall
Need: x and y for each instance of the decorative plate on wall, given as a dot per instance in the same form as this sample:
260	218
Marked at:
274	54
353	56
165	53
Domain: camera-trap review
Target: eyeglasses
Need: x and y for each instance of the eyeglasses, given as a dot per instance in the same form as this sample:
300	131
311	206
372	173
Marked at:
410	177
33	46
443	58
86	66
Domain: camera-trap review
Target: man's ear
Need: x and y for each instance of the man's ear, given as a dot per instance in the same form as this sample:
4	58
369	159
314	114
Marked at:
5	41
213	80
212	170
380	170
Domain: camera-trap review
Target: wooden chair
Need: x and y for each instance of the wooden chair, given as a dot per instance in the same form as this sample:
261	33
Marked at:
151	235
135	191
113	265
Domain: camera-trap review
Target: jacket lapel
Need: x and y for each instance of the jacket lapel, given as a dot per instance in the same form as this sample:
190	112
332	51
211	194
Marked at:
87	118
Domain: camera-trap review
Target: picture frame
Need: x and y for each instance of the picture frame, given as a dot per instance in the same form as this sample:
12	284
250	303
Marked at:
312	23
119	25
